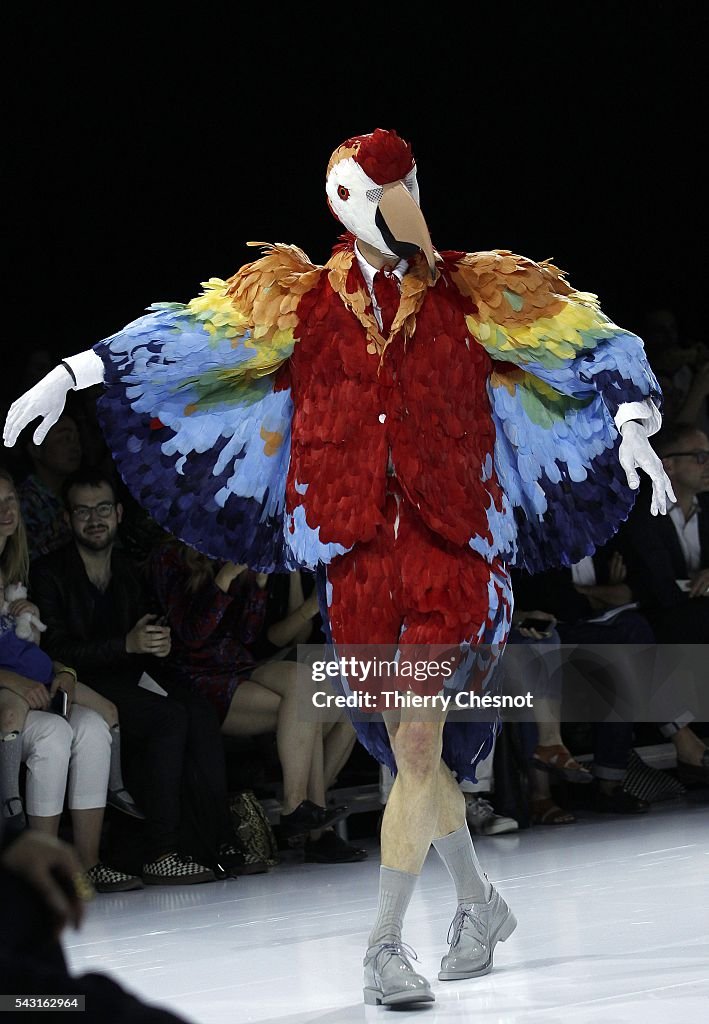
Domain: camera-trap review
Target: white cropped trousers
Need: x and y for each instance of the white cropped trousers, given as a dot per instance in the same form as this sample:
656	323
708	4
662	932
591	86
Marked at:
65	756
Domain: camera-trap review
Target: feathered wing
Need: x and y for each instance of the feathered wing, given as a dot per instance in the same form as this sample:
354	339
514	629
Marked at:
561	371
192	411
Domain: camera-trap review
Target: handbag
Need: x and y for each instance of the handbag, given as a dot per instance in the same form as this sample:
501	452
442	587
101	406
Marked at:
253	829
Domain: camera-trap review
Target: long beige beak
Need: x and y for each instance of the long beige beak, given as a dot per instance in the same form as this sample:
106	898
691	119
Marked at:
405	222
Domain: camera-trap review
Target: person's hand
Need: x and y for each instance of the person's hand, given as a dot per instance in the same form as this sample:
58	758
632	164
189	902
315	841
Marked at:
147	638
53	870
67	682
533	634
636	453
36	695
227	574
310	607
700	584
22	605
617	571
45	399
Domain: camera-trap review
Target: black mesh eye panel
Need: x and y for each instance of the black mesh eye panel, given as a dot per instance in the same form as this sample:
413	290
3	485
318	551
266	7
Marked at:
374	194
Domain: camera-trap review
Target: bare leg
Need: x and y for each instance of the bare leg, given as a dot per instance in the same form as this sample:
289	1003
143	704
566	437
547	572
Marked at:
547	715
316	778
87	834
13	712
270	702
688	745
88	698
49	825
411	814
339	741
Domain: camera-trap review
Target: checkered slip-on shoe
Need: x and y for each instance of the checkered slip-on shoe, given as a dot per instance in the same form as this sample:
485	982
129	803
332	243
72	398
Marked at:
106	879
176	869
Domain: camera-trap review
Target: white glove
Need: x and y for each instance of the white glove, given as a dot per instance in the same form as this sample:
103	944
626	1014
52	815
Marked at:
45	399
636	453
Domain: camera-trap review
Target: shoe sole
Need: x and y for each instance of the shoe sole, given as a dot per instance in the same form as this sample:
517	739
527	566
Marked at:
131	886
567	774
193	880
501	935
504	831
374	997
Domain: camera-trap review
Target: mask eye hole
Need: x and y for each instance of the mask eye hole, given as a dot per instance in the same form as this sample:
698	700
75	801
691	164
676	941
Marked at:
343	193
374	194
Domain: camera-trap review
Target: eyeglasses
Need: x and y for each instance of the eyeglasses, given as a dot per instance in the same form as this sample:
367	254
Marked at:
103	510
699	457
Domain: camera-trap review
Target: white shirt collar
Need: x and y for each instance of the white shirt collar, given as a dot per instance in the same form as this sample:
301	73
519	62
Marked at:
677	509
369	272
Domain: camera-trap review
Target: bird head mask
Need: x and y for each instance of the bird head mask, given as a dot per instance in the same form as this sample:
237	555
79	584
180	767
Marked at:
372	189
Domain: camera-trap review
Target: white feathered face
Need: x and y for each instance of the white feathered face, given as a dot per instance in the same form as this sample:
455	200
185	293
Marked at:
354	199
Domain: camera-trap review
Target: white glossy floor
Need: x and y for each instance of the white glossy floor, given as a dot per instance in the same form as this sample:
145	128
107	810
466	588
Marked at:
613	927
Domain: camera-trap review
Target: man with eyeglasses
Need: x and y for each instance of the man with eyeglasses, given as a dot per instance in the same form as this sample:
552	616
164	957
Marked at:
668	570
92	600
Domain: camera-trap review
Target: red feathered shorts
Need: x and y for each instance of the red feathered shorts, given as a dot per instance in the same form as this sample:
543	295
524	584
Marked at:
408	588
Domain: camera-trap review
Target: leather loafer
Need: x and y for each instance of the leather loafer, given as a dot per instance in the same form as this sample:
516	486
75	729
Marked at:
473	935
123	801
309	817
694	774
390	979
618	801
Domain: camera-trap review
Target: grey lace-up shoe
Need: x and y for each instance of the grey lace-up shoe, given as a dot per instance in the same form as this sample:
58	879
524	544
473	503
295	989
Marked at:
389	978
473	935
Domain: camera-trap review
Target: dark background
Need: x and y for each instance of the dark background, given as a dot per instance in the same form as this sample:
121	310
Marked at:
145	151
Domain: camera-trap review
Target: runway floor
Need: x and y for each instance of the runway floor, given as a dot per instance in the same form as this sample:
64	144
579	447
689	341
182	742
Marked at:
613	927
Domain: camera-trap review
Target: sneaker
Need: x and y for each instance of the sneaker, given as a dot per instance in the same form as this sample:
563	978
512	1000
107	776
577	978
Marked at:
106	879
123	801
482	819
176	869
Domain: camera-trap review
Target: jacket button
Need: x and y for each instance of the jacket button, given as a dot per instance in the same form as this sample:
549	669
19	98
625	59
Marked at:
382	417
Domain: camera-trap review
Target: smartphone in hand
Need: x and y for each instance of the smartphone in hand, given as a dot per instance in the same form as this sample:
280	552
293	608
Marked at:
59	703
541	625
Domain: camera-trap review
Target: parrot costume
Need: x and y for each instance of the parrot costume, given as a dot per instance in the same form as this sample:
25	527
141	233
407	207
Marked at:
277	420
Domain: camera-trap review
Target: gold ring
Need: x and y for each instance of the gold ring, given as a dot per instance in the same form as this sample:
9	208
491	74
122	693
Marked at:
82	887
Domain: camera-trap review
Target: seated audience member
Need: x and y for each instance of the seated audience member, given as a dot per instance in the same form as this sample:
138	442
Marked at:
292	617
53	461
20	648
61	753
41	891
214	609
573	597
64	755
91	600
538	661
668	566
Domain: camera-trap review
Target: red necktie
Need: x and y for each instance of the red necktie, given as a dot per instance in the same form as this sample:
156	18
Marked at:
386	292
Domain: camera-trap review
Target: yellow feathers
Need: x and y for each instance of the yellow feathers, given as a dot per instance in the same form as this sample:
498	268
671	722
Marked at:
527	311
